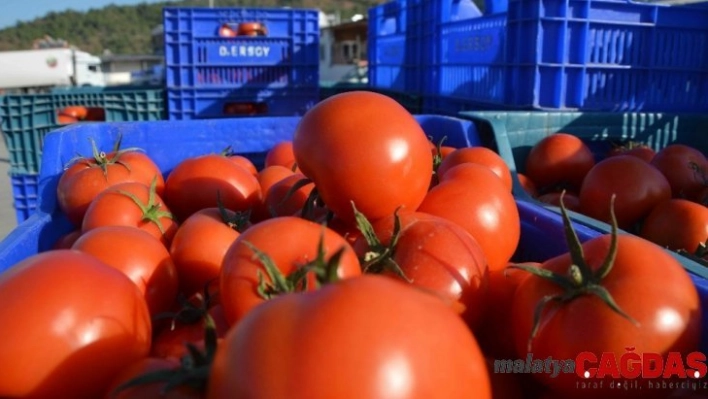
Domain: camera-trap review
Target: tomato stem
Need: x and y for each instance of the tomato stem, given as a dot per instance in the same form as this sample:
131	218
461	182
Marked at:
151	211
239	221
580	280
380	257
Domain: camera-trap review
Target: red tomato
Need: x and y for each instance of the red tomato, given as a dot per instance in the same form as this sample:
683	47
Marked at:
527	185
435	254
85	179
66	119
199	246
151	390
638	185
69	314
570	201
267	177
281	202
474	197
560	159
646	283
479	155
290	243
75	111
67	240
684	167
172	343
244	163
638	150
495	337
134	205
349	231
380	159
196	183
390	341
677	224
282	155
140	256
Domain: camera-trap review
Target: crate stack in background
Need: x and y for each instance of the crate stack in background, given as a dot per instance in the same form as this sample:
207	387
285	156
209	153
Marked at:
233	62
26	118
591	55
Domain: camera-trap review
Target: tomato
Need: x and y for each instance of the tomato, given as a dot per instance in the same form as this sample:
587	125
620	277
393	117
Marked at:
140	256
527	185
196	183
560	159
570	201
432	253
86	178
66	313
131	204
282	154
151	390
495	337
75	111
647	284
364	147
290	243
281	202
481	156
677	224
638	150
66	119
67	240
638	185
474	197
244	163
267	177
383	338
349	231
684	167
199	246
171	342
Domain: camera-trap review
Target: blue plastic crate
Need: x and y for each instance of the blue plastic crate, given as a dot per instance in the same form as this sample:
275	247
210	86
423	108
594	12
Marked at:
184	104
396	46
197	56
25	119
601	55
25	195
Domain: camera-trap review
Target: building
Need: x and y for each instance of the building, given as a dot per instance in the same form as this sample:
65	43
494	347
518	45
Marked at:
343	56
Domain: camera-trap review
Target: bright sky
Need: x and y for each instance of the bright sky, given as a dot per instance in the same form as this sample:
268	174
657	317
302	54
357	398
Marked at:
12	11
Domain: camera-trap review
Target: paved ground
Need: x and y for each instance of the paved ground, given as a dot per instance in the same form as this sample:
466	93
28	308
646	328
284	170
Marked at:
7	212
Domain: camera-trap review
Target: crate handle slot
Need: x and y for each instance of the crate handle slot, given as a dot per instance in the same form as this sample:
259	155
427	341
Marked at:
253	29
77	113
245	108
460	10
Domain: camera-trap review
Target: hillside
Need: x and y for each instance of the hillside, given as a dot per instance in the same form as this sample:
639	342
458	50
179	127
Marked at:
126	29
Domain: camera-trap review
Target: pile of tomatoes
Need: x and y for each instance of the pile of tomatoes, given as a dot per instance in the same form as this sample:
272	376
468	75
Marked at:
78	113
661	196
360	261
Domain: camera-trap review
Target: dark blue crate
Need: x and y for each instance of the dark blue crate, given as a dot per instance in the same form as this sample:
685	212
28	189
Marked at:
196	56
592	55
397	46
25	189
186	104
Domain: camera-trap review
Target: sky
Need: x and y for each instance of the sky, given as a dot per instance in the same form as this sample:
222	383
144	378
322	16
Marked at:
12	11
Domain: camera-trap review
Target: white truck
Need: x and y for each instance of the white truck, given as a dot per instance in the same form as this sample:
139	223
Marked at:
43	69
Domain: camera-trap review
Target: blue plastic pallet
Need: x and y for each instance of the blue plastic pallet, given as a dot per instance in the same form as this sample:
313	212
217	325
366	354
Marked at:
591	55
197	56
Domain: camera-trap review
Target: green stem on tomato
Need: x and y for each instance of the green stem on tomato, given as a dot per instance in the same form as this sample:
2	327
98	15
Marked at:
151	211
580	279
